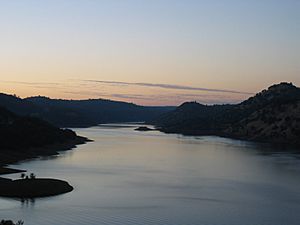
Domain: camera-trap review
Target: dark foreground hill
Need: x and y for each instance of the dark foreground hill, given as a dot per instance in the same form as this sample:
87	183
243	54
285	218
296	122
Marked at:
25	137
272	115
80	113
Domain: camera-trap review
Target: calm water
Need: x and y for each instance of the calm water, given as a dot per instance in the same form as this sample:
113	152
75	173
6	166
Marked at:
127	177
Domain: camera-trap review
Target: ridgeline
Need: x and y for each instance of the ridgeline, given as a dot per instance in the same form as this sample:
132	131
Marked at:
80	113
272	115
26	137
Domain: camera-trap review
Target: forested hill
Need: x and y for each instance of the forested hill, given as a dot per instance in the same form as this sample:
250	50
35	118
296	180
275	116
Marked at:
272	115
26	137
80	113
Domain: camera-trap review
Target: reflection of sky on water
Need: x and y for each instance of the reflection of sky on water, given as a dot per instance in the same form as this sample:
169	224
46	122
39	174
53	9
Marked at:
129	177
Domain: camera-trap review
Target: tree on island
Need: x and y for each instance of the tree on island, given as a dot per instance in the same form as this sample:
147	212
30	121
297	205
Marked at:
32	176
23	175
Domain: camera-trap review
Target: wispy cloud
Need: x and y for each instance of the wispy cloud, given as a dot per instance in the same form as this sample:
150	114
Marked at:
170	86
169	94
160	98
30	83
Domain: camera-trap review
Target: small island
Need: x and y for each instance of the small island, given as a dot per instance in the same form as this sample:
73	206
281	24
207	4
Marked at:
33	187
143	128
25	137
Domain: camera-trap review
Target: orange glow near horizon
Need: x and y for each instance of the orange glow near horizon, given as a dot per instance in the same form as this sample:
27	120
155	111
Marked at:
52	47
143	95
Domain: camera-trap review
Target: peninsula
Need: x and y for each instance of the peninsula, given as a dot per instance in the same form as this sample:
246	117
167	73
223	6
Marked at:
26	138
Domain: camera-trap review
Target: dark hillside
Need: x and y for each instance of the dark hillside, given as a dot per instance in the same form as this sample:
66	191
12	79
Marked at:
26	137
80	113
93	111
272	115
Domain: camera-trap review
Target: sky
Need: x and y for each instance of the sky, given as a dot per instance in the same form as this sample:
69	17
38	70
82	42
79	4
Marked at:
149	52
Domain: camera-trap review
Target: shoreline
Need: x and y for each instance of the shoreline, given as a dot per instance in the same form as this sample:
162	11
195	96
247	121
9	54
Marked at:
8	158
5	170
274	143
33	188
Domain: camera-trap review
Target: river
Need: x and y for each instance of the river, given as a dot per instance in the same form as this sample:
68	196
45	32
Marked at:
126	177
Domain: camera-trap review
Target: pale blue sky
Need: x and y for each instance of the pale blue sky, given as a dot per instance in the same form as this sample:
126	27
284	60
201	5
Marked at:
229	44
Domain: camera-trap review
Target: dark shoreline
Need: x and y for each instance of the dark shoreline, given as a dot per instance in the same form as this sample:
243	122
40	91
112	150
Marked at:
144	128
273	143
32	187
5	170
8	158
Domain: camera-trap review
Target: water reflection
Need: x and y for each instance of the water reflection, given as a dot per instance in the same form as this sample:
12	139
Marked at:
127	177
27	202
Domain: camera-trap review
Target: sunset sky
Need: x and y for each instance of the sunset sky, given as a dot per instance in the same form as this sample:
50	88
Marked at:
150	52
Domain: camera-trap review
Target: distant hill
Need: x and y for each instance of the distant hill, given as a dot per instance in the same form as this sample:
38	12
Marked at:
80	113
272	115
26	137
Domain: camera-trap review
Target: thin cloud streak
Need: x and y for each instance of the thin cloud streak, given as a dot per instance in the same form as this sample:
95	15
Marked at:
170	86
30	83
169	95
176	98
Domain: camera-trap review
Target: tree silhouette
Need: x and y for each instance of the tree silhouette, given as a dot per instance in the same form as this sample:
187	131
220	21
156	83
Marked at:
32	176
